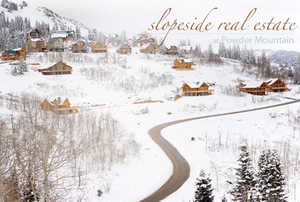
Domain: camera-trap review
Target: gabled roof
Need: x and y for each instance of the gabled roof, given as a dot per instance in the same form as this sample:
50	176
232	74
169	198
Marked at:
272	81
32	30
254	84
58	67
195	84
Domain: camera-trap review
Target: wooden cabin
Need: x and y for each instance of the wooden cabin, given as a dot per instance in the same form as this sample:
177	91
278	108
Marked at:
202	90
277	85
79	47
152	48
274	85
57	69
124	49
99	47
261	89
14	54
173	50
59	107
36	45
182	64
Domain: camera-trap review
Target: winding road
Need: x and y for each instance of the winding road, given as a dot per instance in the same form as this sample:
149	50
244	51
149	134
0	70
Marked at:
181	168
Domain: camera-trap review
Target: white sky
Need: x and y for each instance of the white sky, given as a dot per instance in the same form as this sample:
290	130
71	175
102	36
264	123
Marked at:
137	15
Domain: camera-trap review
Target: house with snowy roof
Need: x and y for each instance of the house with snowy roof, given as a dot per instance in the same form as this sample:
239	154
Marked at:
79	46
151	48
57	69
255	88
34	41
124	49
196	89
183	64
59	107
277	85
273	85
59	41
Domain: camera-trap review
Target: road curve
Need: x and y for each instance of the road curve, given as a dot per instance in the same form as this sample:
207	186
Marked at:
181	168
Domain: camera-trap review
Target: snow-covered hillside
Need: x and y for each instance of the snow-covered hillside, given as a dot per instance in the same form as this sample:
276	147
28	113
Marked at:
38	13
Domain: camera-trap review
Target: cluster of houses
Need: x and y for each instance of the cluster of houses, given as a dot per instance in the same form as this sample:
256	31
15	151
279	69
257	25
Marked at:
61	41
149	45
273	85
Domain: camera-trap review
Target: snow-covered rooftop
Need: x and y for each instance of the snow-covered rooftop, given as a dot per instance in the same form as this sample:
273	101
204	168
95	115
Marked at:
59	35
37	39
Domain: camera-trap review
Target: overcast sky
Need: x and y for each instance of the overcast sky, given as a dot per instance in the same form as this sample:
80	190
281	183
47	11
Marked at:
115	15
137	15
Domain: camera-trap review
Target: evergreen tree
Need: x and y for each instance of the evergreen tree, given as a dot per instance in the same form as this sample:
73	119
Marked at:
222	50
210	53
264	66
297	70
271	182
245	182
204	190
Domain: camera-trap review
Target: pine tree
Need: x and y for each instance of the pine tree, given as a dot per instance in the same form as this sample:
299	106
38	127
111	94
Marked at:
210	53
271	182
245	182
297	69
204	190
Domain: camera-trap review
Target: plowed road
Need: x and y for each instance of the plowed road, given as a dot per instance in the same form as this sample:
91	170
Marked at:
181	168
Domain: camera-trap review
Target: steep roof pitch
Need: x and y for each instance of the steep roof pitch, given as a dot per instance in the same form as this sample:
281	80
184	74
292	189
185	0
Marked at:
60	66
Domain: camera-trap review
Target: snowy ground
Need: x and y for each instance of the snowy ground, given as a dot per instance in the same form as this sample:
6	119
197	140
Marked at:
216	147
217	139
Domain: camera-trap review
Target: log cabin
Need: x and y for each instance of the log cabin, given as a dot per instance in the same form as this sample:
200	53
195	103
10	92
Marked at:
277	85
172	50
182	64
57	69
124	49
201	90
261	89
14	54
99	47
59	107
79	46
273	85
151	48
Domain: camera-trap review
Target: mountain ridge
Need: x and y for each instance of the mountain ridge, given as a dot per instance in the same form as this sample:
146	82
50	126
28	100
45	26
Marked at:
13	8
